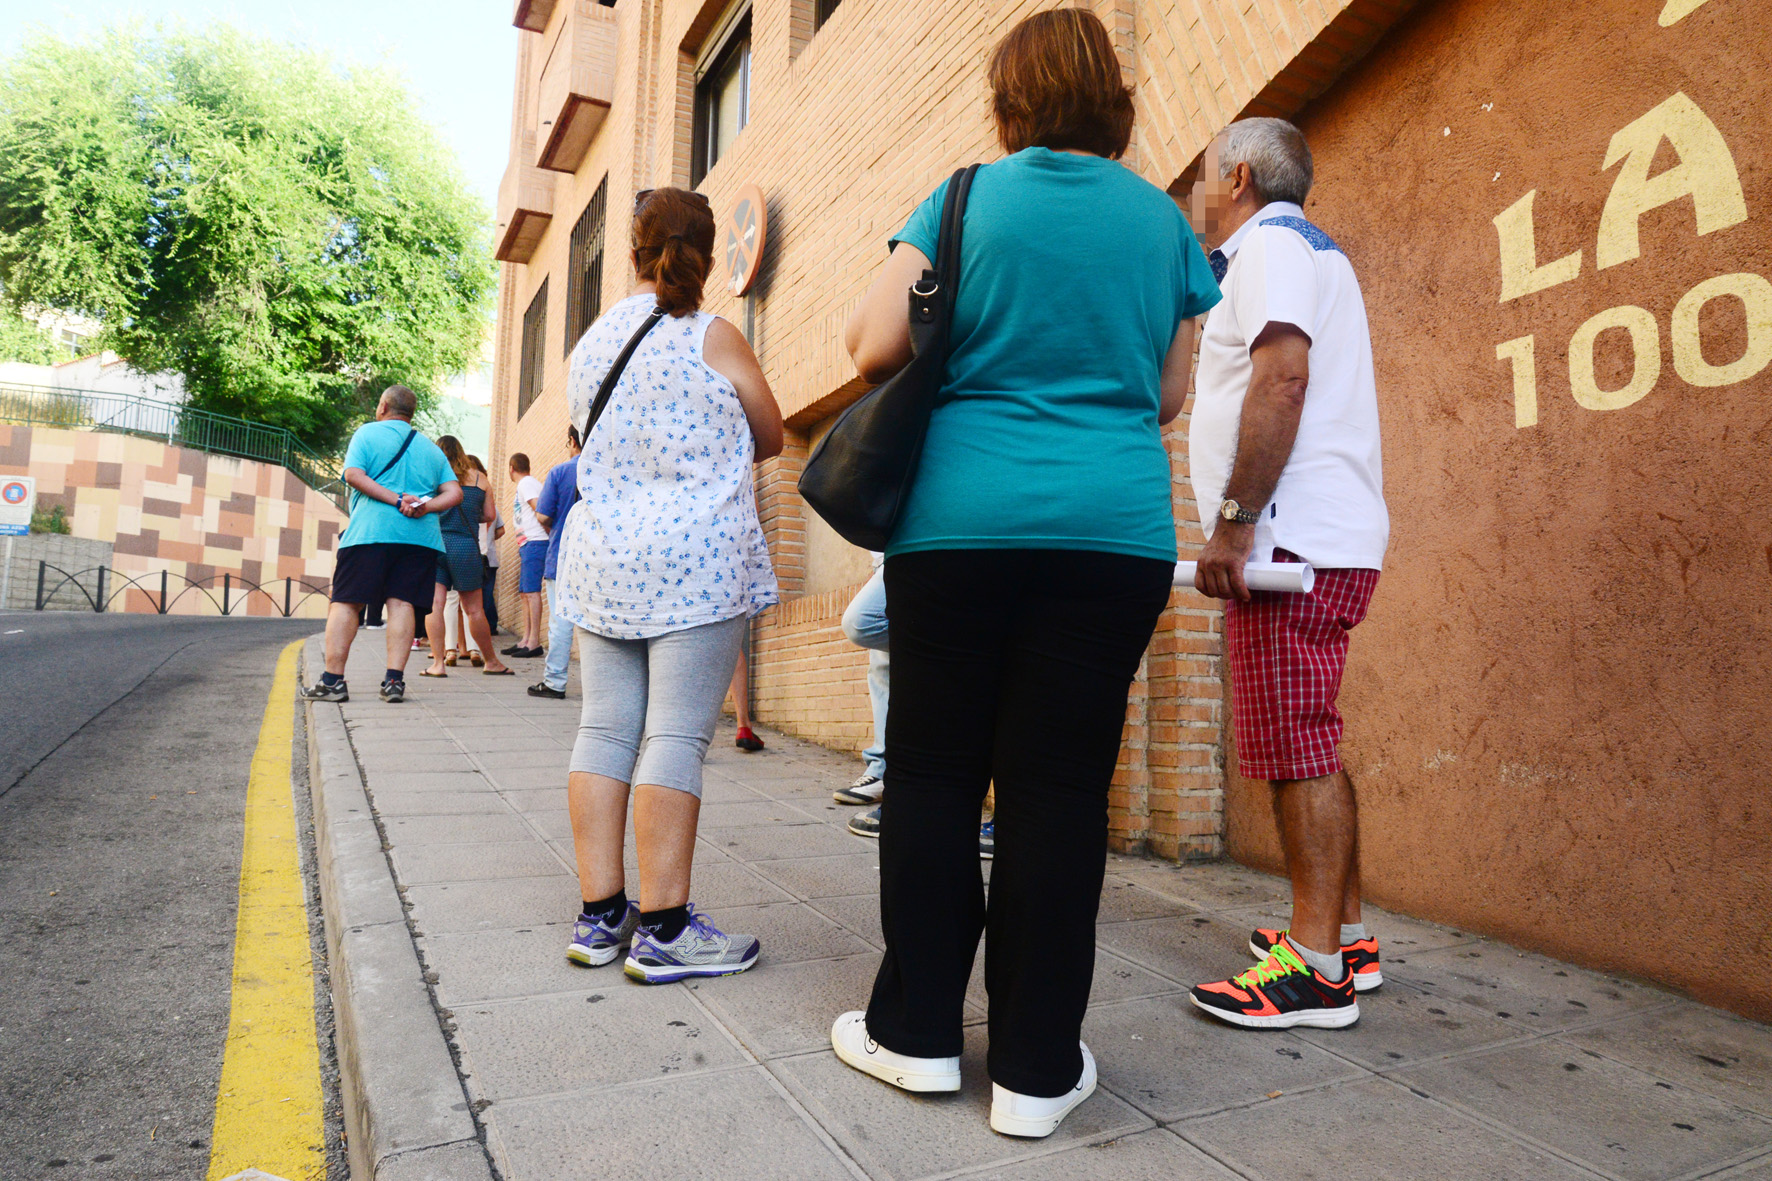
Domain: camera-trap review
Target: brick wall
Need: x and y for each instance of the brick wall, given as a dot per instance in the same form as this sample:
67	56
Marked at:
850	127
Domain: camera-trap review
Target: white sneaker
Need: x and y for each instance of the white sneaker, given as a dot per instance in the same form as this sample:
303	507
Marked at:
1025	1115
849	1037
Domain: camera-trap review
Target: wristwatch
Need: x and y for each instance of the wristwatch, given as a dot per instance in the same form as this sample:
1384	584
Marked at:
1230	510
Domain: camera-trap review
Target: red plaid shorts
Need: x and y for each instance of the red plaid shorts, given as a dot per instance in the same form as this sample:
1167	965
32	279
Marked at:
1287	655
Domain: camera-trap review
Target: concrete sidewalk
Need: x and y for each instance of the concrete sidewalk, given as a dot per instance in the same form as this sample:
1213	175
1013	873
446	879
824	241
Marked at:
1473	1061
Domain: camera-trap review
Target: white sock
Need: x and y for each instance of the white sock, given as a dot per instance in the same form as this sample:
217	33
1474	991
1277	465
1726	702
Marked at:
1353	933
1329	965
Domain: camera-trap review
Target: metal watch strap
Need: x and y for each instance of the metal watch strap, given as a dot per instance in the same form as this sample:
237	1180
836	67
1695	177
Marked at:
1243	516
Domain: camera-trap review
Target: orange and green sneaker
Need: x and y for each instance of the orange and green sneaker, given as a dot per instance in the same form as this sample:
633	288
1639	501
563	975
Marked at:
1361	958
1280	992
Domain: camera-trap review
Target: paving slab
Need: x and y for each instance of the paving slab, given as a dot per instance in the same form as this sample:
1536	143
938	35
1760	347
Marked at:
778	1009
550	1045
1156	1155
1612	1116
417	864
1533	990
1373	1130
733	1124
825	877
448	908
1697	1047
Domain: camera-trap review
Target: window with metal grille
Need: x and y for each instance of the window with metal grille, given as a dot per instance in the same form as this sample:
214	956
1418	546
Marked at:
535	337
584	268
821	12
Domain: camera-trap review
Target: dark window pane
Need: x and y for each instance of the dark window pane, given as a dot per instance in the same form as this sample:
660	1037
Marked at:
722	100
535	335
822	12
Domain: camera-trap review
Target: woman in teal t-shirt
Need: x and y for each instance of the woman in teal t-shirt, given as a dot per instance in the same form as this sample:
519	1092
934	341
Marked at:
1026	576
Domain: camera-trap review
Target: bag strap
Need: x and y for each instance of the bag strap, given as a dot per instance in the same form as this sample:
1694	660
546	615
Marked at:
389	465
953	214
944	276
614	375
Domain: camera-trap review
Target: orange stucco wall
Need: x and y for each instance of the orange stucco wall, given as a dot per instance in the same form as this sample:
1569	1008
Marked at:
1557	709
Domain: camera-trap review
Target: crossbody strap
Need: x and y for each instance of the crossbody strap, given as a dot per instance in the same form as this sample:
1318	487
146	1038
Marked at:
614	375
389	465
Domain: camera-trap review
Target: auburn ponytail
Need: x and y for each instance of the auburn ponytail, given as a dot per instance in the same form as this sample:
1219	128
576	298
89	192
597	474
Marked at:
673	236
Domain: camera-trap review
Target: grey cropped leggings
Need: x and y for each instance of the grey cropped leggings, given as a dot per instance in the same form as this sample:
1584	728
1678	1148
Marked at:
650	705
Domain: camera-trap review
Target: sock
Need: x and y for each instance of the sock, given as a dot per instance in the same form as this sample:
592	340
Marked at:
394	674
609	912
663	926
1329	965
331	679
1353	933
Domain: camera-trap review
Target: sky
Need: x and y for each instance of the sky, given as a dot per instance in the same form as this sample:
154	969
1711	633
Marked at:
459	56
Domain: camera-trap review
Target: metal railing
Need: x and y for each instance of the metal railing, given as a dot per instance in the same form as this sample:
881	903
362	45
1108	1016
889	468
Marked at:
157	588
181	426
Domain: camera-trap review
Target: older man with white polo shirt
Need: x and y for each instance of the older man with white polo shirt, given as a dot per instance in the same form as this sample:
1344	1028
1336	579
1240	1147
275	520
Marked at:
1284	451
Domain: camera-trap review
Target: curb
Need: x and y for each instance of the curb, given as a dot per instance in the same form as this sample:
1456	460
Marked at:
405	1112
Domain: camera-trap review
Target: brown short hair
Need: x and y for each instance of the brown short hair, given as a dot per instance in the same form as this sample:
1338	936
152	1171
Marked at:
520	462
673	235
1055	83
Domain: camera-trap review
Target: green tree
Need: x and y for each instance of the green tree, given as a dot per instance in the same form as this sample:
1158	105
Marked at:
285	232
22	340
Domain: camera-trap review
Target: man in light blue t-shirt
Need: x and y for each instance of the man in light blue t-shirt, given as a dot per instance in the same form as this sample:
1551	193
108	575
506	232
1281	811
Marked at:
399	482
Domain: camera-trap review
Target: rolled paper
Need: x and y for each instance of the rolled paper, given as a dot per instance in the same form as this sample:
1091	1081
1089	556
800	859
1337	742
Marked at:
1296	577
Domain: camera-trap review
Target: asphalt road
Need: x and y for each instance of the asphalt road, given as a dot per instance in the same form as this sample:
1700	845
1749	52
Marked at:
125	747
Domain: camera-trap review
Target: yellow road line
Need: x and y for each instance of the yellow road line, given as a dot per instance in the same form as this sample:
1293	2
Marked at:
268	1108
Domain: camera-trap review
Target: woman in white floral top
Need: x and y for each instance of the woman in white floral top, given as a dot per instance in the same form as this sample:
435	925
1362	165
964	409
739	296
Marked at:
662	563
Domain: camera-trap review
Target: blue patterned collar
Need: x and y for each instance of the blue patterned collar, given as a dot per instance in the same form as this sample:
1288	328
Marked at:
1272	211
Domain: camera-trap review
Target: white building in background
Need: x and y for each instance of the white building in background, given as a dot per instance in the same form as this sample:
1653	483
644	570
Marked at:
102	372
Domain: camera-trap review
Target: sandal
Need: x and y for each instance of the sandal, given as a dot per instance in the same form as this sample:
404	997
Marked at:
475	659
425	672
499	672
449	658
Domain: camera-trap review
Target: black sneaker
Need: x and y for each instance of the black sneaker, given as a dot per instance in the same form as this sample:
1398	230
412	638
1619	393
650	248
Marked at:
866	790
321	691
866	824
1360	958
543	689
393	692
1280	992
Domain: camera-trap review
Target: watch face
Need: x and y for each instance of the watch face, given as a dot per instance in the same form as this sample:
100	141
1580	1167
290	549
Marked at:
1229	510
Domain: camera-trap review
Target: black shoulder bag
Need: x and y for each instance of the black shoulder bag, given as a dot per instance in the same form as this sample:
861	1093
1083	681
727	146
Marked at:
860	474
614	375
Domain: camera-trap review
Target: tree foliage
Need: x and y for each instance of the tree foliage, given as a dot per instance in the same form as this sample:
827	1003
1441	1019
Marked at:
285	232
22	340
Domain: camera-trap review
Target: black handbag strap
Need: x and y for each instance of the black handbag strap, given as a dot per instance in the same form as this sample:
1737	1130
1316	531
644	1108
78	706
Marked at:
945	275
389	465
614	375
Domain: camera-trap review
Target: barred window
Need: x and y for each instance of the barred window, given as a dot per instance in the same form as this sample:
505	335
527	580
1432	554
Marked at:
584	269
535	336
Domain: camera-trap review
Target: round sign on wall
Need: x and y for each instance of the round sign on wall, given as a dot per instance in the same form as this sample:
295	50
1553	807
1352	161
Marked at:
745	233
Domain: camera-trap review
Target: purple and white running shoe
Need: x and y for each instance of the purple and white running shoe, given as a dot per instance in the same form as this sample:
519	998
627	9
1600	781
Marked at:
595	943
701	950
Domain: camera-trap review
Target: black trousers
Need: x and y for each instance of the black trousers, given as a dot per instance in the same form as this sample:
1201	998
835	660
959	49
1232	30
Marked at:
1009	666
490	599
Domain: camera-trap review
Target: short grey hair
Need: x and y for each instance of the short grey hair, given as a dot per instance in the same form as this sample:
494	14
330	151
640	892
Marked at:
1279	160
400	400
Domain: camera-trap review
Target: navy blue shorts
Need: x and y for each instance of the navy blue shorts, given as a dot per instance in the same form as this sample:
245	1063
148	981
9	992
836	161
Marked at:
534	556
381	570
